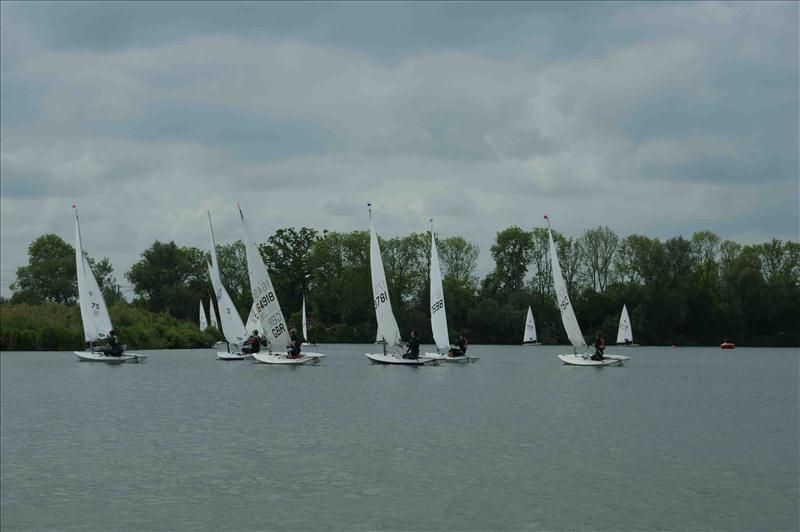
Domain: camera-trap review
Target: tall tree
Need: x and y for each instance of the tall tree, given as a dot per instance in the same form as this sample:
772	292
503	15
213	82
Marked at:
459	260
599	246
511	253
171	278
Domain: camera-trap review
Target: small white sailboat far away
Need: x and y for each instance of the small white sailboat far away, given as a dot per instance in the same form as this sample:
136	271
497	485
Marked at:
232	327
584	358
624	332
529	336
94	313
387	324
203	319
439	313
305	327
268	310
213	316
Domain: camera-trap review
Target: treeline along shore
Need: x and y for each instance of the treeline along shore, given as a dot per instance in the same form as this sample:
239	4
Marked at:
679	291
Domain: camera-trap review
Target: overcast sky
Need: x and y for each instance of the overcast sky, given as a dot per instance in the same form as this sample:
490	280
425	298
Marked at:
651	118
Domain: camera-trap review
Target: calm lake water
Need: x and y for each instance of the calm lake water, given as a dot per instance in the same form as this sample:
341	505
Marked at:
679	439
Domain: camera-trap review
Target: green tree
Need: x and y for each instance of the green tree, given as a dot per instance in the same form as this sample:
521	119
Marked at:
511	253
171	278
286	255
599	246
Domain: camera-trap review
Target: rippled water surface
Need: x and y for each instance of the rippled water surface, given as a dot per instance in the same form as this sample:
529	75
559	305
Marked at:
679	439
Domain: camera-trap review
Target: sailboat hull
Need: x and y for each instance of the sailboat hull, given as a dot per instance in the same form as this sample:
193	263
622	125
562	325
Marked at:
586	360
531	344
451	360
224	355
305	359
398	360
94	356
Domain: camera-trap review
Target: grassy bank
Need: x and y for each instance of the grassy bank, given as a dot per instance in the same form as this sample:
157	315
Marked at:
54	327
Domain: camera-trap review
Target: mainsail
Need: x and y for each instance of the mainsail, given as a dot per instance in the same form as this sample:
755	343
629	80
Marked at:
268	310
252	322
305	328
624	333
562	299
203	319
530	329
213	315
94	313
388	330
232	326
438	313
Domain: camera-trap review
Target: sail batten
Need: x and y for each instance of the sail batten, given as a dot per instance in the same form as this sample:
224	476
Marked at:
388	331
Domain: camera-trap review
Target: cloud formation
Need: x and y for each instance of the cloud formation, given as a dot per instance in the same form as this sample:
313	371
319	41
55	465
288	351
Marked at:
661	119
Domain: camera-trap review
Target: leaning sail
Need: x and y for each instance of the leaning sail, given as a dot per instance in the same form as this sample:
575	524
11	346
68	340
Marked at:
94	313
624	333
387	325
203	319
562	300
253	324
268	310
529	336
438	313
232	326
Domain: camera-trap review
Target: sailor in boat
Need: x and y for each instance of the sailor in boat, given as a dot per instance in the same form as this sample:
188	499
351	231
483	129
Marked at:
114	348
413	346
252	344
627	341
294	346
599	346
262	340
460	348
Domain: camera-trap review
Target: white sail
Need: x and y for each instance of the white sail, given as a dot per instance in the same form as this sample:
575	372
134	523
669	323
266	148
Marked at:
529	335
213	315
203	319
252	322
94	313
624	332
305	328
562	299
438	312
232	326
387	325
268	310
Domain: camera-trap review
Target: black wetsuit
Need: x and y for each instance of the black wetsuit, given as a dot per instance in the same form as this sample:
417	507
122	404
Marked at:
114	347
251	345
413	348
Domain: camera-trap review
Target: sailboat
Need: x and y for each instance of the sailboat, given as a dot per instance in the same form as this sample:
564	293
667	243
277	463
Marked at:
387	324
213	315
94	313
624	332
253	324
305	327
439	313
203	319
570	321
232	327
529	336
268	309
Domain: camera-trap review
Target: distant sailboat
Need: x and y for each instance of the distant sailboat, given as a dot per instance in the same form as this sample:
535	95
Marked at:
268	309
529	336
213	315
94	313
305	327
387	324
439	312
624	332
203	319
570	321
232	327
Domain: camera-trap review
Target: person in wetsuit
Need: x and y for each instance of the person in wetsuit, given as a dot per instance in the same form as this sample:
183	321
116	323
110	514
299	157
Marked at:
114	347
294	345
252	344
413	346
460	349
599	346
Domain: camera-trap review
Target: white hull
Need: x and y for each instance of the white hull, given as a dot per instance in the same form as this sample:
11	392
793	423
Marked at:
586	360
224	355
451	360
95	356
398	360
626	345
309	344
284	360
531	344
